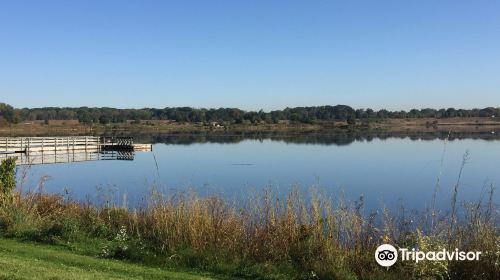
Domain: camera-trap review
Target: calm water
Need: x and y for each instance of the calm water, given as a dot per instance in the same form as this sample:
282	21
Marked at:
384	170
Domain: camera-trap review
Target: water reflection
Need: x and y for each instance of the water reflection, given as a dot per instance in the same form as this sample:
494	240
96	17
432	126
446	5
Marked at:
338	138
389	167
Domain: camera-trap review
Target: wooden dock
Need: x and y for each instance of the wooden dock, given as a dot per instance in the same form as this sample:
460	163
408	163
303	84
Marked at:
47	144
43	150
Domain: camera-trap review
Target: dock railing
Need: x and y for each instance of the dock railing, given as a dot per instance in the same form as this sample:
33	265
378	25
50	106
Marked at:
43	150
48	144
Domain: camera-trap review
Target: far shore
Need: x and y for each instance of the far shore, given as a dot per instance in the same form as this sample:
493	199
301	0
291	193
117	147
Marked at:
392	125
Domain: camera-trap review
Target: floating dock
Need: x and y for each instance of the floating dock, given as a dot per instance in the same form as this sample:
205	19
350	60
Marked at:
43	150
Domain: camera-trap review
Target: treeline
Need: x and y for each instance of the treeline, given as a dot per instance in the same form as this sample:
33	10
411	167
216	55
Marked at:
233	115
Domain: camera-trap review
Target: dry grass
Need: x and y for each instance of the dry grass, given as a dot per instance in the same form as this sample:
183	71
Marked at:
317	238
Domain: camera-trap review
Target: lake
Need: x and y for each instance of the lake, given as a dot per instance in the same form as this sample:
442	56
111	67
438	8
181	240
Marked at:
383	168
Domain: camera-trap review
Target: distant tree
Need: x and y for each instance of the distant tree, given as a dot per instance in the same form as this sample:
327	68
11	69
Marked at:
361	114
428	113
488	112
414	113
228	115
382	114
84	117
441	113
8	113
451	113
370	113
104	119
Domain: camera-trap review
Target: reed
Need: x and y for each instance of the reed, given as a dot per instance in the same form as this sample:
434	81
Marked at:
297	236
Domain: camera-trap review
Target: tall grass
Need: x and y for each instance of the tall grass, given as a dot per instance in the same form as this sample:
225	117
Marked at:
290	237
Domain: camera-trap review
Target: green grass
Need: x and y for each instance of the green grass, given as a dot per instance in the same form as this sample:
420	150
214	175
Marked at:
19	260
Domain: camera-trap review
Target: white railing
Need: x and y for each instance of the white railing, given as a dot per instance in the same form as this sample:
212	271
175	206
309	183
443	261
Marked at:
41	144
43	150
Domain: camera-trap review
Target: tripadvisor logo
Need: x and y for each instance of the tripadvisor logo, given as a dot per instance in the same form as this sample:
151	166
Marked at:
386	255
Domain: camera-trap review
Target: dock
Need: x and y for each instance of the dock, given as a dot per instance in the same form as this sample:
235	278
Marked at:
44	150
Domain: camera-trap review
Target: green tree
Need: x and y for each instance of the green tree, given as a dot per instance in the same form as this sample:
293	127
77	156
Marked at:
104	119
7	113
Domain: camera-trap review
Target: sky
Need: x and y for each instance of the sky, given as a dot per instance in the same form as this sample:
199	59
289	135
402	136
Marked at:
250	54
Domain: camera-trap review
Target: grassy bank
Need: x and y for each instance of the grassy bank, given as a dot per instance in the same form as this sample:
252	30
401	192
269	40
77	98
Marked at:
26	260
418	124
292	237
44	129
277	239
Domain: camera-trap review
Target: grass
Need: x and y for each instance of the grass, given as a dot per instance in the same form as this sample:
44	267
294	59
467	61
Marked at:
272	238
21	260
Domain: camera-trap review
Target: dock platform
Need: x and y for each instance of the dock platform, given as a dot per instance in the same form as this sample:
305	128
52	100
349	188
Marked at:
42	150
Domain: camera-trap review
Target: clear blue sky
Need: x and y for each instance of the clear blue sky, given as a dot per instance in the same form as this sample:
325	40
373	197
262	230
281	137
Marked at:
250	54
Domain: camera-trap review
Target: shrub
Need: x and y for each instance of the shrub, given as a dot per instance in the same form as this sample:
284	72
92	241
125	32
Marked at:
7	179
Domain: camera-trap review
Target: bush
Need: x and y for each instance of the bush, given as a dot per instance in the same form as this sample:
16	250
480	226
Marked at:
7	179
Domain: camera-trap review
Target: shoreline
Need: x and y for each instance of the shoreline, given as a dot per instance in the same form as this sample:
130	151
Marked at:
389	125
